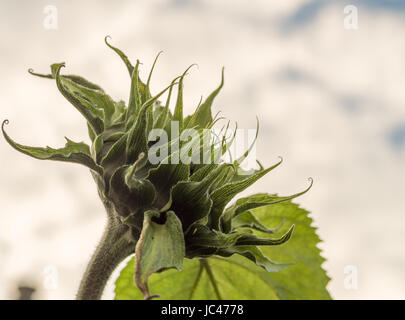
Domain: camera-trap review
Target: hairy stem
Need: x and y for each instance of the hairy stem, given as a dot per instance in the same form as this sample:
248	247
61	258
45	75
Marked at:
113	247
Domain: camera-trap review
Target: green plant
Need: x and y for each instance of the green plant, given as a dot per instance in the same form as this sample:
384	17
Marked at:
176	214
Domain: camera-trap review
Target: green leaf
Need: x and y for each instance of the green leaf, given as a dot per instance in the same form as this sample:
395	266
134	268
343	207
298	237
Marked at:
77	79
98	100
134	104
229	279
160	246
77	152
191	200
122	55
115	156
90	99
254	254
130	194
137	140
68	89
261	200
120	112
83	82
148	95
203	114
165	116
205	237
239	278
202	172
178	110
248	220
230	218
164	177
221	196
250	239
128	64
91	132
138	136
310	279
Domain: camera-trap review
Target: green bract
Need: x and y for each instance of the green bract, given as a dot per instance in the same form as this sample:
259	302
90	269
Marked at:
170	210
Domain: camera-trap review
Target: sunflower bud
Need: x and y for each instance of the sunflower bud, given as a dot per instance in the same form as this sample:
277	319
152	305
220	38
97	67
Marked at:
175	205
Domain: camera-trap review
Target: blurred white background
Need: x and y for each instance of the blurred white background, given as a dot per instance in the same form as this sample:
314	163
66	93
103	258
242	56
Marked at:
330	101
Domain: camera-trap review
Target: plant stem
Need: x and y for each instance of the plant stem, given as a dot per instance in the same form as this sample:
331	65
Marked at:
207	267
113	247
197	279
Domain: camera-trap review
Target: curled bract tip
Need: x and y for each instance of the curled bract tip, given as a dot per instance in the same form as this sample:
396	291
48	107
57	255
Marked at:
311	182
32	72
106	38
281	159
3	123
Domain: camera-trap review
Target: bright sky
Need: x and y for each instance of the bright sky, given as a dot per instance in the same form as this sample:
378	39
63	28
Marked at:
330	101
